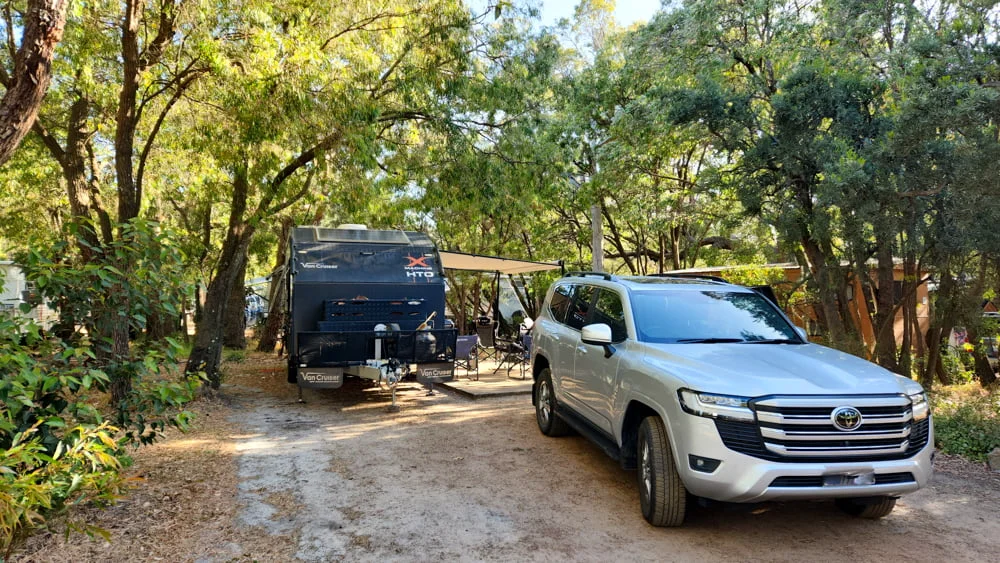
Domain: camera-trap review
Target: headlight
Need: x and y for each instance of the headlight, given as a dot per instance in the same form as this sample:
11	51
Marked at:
921	408
712	405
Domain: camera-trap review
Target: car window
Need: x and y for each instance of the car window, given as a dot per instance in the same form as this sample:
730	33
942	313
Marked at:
580	310
559	304
678	316
608	310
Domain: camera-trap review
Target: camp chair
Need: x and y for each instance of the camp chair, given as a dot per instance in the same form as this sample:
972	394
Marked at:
513	353
487	339
465	354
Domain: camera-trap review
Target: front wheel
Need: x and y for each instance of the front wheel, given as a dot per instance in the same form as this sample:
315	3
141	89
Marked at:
545	402
869	507
662	494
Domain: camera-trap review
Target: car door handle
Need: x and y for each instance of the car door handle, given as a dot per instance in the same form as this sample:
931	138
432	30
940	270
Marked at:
581	349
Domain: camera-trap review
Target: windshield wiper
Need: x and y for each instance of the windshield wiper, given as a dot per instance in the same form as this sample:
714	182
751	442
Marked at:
774	341
708	340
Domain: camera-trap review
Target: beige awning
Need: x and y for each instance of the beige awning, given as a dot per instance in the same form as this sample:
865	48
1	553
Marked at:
476	262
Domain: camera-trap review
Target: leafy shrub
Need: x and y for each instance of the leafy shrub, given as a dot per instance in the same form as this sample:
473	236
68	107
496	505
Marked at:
958	365
36	484
968	426
59	449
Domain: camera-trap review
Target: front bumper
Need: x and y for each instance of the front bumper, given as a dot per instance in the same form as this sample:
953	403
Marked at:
743	478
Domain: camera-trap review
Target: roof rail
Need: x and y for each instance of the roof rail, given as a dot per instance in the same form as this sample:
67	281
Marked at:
604	275
691	276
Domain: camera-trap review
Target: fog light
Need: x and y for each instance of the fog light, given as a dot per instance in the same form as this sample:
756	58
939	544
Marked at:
703	464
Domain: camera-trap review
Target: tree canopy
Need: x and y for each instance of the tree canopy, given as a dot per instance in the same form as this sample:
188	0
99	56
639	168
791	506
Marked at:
843	136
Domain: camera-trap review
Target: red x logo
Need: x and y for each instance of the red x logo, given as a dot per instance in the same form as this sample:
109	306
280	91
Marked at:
419	261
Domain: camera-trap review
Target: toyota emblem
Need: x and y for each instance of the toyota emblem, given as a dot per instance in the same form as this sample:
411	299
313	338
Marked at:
846	418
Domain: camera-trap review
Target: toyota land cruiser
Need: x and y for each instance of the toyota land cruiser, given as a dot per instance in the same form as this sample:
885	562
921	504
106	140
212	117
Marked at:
708	388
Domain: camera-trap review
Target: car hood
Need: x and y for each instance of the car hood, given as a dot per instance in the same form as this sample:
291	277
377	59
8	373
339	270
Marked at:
754	370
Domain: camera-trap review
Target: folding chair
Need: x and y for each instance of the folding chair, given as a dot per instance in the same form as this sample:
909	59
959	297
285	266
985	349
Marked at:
465	354
509	353
525	353
487	339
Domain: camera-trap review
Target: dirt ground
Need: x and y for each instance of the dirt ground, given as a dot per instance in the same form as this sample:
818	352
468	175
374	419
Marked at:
264	478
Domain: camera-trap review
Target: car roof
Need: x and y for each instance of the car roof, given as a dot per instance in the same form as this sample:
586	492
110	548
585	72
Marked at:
654	283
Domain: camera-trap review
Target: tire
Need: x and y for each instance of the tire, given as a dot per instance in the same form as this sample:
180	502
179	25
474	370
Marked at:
869	507
545	402
662	495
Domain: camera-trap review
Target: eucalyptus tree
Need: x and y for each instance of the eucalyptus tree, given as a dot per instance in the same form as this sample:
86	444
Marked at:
25	71
118	74
310	92
753	80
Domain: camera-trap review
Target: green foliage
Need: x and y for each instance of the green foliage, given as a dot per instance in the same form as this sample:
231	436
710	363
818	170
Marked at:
60	449
46	383
968	426
37	483
958	364
142	270
235	356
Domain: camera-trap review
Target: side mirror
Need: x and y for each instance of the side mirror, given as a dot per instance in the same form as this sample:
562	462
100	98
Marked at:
802	332
596	334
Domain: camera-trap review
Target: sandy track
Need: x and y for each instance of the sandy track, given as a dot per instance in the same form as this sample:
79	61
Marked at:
453	479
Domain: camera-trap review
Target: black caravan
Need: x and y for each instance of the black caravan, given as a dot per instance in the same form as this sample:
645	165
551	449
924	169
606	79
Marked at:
366	303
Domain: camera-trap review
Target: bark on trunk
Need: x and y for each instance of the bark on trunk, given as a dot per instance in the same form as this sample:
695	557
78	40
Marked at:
940	328
597	238
826	288
885	334
234	331
983	369
278	293
206	355
43	29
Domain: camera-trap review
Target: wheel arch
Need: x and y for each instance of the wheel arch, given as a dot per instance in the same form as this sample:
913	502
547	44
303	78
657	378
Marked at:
635	412
540	363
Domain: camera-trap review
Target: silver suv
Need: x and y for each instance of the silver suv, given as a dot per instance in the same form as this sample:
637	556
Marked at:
707	388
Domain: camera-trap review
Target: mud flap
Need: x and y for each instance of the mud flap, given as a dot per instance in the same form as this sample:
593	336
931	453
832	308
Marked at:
438	372
321	378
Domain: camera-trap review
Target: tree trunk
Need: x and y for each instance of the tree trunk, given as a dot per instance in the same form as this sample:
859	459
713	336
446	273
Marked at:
43	29
234	330
116	327
940	328
913	338
206	355
826	287
983	369
885	317
597	238
675	246
277	294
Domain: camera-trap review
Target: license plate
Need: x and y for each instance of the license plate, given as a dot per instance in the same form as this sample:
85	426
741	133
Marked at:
849	480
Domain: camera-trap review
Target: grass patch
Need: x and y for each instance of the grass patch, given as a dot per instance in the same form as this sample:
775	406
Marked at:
234	355
966	420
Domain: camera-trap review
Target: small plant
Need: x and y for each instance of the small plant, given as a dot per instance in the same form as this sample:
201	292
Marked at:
36	484
967	425
958	365
235	356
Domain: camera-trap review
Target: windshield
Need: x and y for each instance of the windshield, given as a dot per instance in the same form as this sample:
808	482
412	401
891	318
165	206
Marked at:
708	316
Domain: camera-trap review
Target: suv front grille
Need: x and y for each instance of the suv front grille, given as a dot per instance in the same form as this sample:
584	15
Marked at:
801	429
